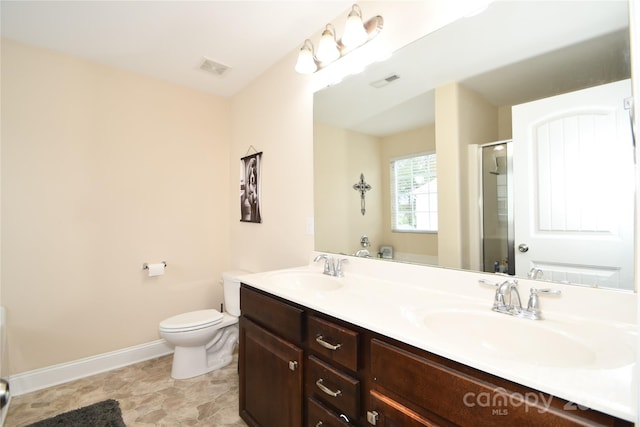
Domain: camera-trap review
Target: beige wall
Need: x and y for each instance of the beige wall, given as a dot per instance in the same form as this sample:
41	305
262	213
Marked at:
448	149
103	170
340	156
274	114
464	119
331	161
504	123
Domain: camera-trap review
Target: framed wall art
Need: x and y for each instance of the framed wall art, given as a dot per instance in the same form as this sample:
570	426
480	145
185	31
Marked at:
250	188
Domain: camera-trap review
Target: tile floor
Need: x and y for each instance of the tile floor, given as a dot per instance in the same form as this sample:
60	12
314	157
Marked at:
147	394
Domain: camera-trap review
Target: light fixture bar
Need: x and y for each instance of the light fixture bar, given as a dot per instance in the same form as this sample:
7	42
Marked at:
330	50
373	26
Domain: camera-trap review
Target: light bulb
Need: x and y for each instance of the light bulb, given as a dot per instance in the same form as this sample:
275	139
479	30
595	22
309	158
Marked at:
328	47
354	32
306	63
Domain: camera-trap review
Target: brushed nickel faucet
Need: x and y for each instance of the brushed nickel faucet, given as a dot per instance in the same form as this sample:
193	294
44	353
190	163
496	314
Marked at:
332	267
507	299
506	293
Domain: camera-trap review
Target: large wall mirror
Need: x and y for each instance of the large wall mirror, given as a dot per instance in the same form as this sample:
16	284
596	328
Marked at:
462	132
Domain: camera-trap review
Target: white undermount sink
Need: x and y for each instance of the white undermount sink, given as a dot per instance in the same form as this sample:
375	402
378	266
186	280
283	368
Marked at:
547	343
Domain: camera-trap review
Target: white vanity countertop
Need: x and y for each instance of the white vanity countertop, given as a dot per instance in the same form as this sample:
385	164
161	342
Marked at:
586	360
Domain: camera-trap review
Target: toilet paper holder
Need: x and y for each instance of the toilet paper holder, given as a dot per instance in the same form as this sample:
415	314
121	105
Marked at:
145	266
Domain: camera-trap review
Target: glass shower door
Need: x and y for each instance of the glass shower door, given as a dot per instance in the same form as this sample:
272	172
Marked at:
497	208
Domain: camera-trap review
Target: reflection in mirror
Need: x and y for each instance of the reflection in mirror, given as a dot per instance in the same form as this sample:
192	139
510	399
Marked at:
451	93
497	208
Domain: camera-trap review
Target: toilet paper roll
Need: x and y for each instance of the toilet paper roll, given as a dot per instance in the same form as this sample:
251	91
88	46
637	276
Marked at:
156	269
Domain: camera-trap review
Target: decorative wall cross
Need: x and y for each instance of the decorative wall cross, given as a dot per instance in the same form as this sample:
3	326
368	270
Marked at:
362	187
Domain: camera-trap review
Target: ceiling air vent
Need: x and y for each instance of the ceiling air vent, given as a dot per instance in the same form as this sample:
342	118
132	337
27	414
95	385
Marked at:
213	67
383	82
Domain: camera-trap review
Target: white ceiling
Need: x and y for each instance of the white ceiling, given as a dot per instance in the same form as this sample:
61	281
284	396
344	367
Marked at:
169	39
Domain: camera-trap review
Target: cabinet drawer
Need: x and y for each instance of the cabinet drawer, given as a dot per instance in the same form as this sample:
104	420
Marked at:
332	387
320	415
469	400
391	413
333	342
280	318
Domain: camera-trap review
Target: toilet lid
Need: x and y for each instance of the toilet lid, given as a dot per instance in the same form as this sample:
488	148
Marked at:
192	320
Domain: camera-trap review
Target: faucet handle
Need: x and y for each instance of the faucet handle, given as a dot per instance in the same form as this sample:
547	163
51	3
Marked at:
510	281
488	282
496	284
339	262
545	291
534	304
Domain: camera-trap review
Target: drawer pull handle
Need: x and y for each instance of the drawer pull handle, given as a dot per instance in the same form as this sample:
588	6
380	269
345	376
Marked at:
320	340
327	390
319	423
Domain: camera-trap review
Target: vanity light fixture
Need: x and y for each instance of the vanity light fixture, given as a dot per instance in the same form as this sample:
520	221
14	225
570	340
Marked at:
330	49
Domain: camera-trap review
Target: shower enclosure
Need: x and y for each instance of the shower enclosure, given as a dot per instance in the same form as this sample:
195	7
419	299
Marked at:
497	208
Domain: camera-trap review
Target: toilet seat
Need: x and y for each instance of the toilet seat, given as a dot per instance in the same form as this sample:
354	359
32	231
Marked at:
191	321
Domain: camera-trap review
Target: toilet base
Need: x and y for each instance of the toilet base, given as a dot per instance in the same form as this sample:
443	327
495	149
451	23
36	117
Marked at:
189	362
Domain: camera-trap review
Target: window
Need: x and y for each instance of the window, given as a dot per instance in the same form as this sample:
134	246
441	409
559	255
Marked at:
414	193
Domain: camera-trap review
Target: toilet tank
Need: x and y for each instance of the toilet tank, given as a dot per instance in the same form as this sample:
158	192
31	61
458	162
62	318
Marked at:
231	290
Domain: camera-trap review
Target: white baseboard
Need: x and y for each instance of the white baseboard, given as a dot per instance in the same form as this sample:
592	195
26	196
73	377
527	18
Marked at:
58	374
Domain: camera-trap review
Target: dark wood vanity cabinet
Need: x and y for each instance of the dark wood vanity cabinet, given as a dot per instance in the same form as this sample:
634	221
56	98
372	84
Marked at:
271	362
303	368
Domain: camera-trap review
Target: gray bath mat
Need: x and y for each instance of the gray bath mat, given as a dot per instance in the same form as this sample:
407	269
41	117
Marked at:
102	414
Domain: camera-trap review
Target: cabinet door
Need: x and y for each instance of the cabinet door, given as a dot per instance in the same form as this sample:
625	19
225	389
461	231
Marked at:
270	378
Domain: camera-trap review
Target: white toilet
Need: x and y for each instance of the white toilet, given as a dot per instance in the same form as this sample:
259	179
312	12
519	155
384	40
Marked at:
204	340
